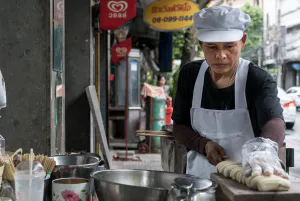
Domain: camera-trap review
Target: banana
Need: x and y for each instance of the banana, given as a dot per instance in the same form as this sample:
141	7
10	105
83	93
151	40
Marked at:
228	170
239	177
234	172
262	183
222	164
244	179
226	164
273	183
248	180
254	182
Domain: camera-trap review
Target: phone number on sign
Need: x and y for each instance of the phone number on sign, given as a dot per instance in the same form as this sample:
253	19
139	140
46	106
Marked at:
172	19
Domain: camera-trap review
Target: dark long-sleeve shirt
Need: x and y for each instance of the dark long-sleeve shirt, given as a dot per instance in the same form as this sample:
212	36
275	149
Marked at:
262	101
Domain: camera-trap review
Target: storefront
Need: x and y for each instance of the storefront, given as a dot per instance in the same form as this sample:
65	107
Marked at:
291	74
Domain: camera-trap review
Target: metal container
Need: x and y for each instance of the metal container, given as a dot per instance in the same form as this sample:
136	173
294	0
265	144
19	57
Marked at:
74	166
134	185
191	189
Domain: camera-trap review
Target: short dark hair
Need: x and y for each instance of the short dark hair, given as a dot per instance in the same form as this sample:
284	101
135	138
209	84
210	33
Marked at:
159	77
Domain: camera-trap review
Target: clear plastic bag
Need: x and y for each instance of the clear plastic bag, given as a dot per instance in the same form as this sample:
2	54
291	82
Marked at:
260	156
7	190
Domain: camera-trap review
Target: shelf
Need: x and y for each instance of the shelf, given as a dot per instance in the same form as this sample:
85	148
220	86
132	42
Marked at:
117	118
120	108
122	143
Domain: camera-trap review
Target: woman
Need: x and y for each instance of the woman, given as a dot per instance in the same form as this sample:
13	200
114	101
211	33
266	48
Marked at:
161	82
225	101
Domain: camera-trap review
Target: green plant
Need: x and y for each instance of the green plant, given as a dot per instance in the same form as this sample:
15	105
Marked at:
255	30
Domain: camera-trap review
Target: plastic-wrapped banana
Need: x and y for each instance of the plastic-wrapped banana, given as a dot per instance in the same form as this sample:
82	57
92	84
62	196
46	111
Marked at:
234	171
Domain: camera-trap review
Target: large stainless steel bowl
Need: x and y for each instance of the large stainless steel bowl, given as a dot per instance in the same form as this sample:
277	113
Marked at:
75	166
133	185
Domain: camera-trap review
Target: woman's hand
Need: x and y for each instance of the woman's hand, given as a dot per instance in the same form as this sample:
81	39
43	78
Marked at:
214	153
260	156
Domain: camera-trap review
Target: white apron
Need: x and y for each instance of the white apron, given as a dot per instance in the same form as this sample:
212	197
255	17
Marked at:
229	128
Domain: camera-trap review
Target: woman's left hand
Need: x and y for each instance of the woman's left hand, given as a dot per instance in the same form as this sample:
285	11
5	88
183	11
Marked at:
260	162
260	156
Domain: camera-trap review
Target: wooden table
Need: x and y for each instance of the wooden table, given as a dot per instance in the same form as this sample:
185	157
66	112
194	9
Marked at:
230	190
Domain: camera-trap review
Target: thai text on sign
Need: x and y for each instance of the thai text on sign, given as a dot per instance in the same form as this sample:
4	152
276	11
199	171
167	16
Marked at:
170	15
115	13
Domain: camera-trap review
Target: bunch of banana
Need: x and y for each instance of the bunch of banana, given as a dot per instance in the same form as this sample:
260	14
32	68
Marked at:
263	183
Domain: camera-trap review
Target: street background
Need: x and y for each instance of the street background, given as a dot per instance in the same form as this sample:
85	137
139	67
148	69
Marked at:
292	140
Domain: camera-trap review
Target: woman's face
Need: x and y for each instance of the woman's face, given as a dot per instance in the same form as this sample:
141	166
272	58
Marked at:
162	81
223	57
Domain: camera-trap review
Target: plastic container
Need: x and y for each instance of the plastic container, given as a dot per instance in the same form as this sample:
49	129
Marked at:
169	111
29	187
156	118
2	145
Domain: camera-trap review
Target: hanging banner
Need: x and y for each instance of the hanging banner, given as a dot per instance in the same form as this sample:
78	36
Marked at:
115	13
120	51
170	15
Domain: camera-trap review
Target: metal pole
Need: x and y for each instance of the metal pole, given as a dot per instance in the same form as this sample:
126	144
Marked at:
98	54
279	59
150	138
92	80
108	82
260	53
127	106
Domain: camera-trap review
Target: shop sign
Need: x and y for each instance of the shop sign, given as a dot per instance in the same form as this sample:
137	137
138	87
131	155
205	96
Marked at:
296	66
120	51
115	13
170	15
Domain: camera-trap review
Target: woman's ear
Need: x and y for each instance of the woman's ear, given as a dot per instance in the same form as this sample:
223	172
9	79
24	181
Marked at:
244	40
201	44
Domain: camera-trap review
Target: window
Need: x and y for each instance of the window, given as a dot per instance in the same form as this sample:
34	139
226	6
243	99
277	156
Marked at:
281	92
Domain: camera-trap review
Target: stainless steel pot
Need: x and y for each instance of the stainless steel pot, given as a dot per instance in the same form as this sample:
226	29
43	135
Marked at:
191	189
133	185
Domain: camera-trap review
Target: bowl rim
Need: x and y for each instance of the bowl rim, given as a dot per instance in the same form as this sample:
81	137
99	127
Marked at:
83	165
68	178
92	175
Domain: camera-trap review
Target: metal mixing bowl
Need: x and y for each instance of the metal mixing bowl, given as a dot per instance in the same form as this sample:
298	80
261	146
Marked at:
75	166
133	185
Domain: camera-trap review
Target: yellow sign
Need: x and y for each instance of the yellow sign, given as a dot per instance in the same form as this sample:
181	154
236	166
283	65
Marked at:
170	15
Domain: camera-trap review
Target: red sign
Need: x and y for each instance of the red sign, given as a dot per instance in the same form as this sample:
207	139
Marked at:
115	13
121	50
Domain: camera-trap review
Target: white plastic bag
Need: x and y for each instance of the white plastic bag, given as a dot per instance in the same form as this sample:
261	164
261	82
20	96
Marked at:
2	92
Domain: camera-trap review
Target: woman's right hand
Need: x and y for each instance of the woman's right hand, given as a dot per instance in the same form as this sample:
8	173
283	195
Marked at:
215	153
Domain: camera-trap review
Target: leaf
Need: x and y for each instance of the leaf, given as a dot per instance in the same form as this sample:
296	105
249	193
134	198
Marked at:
83	191
80	200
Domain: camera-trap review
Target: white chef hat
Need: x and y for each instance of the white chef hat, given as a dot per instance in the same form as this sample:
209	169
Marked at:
221	24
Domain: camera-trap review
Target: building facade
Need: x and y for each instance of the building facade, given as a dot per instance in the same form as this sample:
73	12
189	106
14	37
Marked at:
282	41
